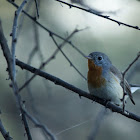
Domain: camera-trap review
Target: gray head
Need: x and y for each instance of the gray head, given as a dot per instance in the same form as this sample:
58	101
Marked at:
100	59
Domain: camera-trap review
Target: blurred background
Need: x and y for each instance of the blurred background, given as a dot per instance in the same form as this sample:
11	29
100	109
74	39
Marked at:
55	106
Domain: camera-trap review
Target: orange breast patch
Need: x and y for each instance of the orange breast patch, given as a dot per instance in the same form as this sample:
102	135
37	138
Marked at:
94	75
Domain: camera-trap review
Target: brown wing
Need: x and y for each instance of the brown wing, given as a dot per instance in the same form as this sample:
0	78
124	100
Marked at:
116	72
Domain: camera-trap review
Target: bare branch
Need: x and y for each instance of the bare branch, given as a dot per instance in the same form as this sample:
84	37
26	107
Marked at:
14	36
22	18
80	92
9	60
13	69
47	30
26	126
4	132
71	64
123	78
50	58
37	11
130	65
35	50
6	51
97	14
38	124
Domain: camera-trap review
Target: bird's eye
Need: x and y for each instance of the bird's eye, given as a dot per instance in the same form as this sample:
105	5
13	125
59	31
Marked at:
100	58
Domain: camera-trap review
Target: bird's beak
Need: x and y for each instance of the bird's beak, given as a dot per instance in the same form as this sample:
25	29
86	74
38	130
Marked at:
88	57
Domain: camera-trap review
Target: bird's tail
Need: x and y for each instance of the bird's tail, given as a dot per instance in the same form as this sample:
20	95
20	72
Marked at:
134	88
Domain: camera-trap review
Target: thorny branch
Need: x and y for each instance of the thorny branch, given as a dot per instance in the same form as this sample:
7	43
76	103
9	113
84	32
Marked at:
35	50
14	36
8	57
4	132
13	69
52	34
26	126
50	58
124	73
80	92
38	124
11	60
47	30
100	15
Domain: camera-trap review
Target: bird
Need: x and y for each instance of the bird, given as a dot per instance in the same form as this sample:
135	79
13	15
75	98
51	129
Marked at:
105	80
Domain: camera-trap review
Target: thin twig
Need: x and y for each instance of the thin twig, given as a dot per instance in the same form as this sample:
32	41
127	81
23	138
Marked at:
97	14
4	132
26	126
46	29
22	17
80	92
13	69
36	50
38	124
135	69
8	57
130	65
6	51
71	64
37	10
123	76
49	59
14	36
31	55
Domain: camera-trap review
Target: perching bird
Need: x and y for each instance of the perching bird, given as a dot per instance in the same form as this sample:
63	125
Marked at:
105	80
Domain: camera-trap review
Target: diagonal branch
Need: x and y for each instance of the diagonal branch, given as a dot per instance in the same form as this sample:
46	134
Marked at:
37	10
4	132
47	30
123	76
80	92
50	58
14	36
13	69
97	14
38	124
8	57
130	65
71	64
26	126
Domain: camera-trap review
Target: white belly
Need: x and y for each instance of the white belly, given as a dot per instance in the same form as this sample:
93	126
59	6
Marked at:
112	91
